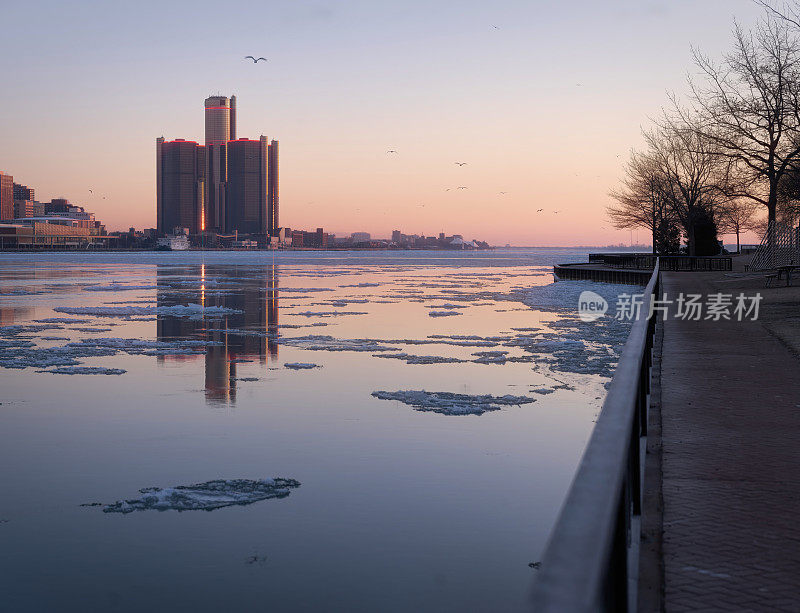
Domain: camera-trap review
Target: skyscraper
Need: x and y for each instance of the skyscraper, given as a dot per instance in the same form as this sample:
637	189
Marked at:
6	196
180	185
247	186
272	189
220	118
226	185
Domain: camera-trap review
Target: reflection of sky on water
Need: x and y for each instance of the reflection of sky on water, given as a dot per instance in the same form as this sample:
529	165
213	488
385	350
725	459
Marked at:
398	509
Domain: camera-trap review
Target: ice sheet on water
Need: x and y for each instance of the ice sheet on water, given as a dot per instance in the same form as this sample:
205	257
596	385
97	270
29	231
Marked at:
447	306
299	290
419	359
363	285
206	496
85	370
442	313
63	320
301	365
329	313
178	310
117	287
491	357
318	342
449	403
21	329
563	295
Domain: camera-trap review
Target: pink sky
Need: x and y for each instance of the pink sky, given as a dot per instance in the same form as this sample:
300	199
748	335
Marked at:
545	106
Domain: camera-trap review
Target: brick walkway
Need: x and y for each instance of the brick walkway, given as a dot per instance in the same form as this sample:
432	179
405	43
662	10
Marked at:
731	463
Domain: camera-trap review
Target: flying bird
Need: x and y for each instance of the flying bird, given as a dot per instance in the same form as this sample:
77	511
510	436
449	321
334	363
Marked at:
461	187
539	210
256	60
501	193
391	151
91	192
461	163
447	189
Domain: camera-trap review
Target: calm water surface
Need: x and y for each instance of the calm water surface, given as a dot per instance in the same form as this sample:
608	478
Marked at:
398	509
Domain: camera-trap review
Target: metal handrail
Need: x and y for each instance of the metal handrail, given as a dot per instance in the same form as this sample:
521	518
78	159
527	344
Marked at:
595	542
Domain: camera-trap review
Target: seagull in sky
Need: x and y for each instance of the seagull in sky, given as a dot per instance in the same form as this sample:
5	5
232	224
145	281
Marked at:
91	192
503	193
461	163
461	187
447	189
391	151
256	60
539	210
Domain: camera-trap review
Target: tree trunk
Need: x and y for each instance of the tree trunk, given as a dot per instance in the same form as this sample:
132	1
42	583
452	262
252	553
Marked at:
690	239
738	247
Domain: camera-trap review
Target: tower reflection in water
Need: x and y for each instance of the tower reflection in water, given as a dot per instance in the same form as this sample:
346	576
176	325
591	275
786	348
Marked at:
251	290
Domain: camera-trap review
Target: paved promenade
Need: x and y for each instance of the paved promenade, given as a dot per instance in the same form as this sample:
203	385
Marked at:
731	453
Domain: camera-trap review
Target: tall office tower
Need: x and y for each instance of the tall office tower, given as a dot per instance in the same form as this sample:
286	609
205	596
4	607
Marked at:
6	196
246	194
23	192
180	185
220	126
272	189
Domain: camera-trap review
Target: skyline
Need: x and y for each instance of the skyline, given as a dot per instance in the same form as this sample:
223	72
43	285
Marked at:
345	83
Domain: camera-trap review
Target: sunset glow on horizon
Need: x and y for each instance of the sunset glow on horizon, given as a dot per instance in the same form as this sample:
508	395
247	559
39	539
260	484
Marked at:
542	102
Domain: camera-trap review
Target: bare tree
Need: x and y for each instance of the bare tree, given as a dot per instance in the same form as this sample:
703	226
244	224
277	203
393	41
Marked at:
694	176
736	216
749	106
641	200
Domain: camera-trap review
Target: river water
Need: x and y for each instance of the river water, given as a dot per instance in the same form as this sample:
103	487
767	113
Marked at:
431	406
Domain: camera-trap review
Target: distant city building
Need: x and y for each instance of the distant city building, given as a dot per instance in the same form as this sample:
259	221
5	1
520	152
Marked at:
23	192
28	208
180	185
360	237
6	196
273	197
247	186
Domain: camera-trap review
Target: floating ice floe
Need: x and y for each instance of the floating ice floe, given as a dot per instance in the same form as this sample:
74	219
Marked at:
50	357
301	365
448	306
329	313
449	403
21	329
543	390
117	287
178	310
63	320
206	496
299	290
363	285
442	313
491	357
419	359
318	342
85	370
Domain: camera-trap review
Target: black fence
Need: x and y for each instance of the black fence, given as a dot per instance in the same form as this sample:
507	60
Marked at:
589	561
646	261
